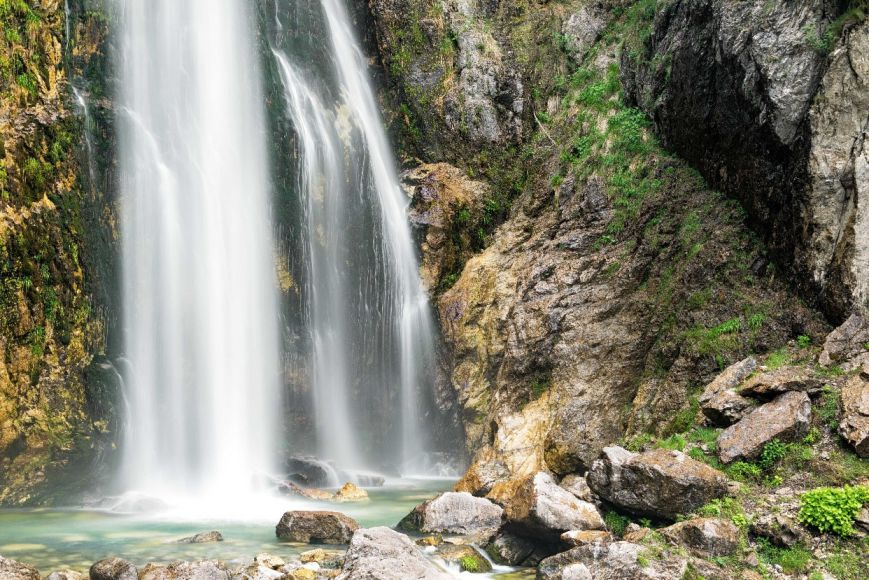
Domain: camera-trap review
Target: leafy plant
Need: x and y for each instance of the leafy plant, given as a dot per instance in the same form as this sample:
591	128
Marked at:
616	523
833	509
803	341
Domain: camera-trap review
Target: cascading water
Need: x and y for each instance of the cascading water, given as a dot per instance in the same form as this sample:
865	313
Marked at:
371	332
200	311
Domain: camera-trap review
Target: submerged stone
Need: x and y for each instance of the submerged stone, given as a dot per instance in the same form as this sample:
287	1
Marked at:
13	570
202	538
113	569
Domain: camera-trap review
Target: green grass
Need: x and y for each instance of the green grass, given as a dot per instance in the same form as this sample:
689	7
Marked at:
792	560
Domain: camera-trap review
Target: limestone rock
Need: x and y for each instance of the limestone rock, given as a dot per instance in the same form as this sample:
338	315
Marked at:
455	513
202	538
855	413
350	492
720	402
537	507
385	554
202	570
113	569
510	549
705	537
615	561
17	571
786	417
63	575
846	345
780	530
658	483
578	486
580	537
316	527
325	558
582	29
783	380
467	557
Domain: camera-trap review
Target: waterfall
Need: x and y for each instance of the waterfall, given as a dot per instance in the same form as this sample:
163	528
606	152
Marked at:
371	331
200	305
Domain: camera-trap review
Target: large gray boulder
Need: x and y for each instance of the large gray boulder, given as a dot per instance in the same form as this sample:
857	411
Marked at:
854	427
384	554
113	569
316	527
537	507
786	418
455	513
720	402
13	570
658	483
614	561
704	537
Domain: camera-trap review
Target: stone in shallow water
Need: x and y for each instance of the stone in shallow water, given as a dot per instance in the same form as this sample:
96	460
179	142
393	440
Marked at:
316	527
467	557
12	570
64	575
455	513
384	554
202	570
113	569
202	538
350	492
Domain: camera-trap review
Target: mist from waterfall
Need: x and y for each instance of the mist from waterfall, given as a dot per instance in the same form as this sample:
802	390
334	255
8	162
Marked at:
372	339
199	283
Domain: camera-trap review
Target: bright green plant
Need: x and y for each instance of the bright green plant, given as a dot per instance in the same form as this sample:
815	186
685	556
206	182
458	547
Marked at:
616	523
803	341
833	509
469	564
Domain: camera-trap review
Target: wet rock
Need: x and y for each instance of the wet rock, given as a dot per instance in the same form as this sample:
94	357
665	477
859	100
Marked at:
310	472
783	380
290	488
467	557
704	537
316	527
578	486
854	427
615	561
537	507
780	530
17	571
435	540
350	492
510	549
720	402
325	558
658	483
846	345
113	569
385	554
203	570
60	575
455	513
202	538
786	418
581	537
582	29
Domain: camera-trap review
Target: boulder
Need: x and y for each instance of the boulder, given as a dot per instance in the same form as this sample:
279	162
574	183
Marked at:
786	418
113	569
720	402
780	530
203	570
256	571
269	561
854	427
581	537
63	575
316	527
578	486
614	561
657	483
537	507
846	345
704	537
310	472
350	492
455	513
783	380
510	549
466	557
202	538
385	554
12	570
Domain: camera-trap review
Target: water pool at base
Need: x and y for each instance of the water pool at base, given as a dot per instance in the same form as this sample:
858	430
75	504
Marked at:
55	539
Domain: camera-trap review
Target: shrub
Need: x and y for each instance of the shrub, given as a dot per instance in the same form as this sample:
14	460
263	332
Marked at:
616	523
833	509
773	452
803	341
743	471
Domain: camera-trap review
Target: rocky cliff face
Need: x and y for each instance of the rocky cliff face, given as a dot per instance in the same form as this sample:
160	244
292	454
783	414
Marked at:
769	101
54	404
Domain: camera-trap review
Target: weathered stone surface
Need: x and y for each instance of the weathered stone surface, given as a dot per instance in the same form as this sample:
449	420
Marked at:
350	492
614	561
854	427
385	554
705	537
310	471
455	513
658	483
316	527
510	549
202	538
113	569
203	570
17	571
578	486
467	557
786	418
63	575
720	402
780	530
537	507
582	29
580	537
846	345
783	380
